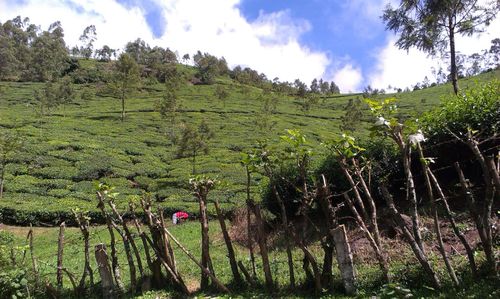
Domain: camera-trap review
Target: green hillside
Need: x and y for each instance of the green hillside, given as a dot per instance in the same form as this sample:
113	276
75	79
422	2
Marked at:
66	152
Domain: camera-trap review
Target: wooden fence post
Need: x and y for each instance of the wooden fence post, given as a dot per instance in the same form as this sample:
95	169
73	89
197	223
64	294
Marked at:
229	245
344	258
104	271
60	249
33	259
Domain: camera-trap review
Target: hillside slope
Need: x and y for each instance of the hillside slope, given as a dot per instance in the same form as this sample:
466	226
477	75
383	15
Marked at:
80	143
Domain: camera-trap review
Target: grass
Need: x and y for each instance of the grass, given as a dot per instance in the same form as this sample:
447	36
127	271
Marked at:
407	275
67	151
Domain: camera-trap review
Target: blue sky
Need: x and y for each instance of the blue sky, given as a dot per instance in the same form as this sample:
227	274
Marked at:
340	40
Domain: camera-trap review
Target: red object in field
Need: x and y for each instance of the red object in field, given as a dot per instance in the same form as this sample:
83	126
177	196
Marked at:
181	215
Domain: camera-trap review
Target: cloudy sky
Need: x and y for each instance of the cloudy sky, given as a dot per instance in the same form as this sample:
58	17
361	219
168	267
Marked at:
340	40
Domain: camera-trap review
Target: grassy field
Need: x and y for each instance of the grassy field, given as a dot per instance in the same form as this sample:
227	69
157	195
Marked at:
80	143
407	275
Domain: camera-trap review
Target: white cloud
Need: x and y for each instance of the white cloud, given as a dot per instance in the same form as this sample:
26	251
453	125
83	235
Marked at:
270	44
348	78
400	68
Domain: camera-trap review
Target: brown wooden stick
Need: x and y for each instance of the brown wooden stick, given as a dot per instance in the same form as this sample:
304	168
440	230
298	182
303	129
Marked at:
83	224
114	256
177	279
229	245
344	259
262	240
247	275
169	253
378	252
33	259
417	250
219	284
107	283
249	221
142	235
60	250
437	227
451	219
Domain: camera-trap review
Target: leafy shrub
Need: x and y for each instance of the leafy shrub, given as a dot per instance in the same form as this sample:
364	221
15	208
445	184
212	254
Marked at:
13	284
96	167
56	172
477	109
289	186
6	239
23	184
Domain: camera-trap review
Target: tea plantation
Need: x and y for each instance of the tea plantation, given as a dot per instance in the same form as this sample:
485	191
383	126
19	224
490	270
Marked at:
68	150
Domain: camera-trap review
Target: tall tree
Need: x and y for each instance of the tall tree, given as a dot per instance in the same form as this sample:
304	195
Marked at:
432	25
88	37
126	79
52	95
105	53
49	55
193	141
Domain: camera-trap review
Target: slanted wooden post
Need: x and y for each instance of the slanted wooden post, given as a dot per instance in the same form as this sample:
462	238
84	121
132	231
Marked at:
229	245
33	259
104	271
83	223
114	255
262	239
217	282
344	258
60	249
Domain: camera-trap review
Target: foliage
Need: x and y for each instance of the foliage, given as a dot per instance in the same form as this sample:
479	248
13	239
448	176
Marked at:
431	26
344	146
351	120
126	79
476	109
208	67
52	95
13	284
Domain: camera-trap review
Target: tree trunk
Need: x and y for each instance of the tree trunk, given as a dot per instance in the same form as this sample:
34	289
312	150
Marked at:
83	224
204	269
284	222
485	211
128	241
371	205
107	284
451	219
249	223
33	259
476	216
262	239
435	216
156	236
247	275
227	239
344	259
143	239
175	277
60	250
417	250
123	105
130	259
194	162
168	252
205	242
114	256
323	195
453	61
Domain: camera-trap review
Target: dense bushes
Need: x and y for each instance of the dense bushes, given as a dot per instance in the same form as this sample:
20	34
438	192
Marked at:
476	109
